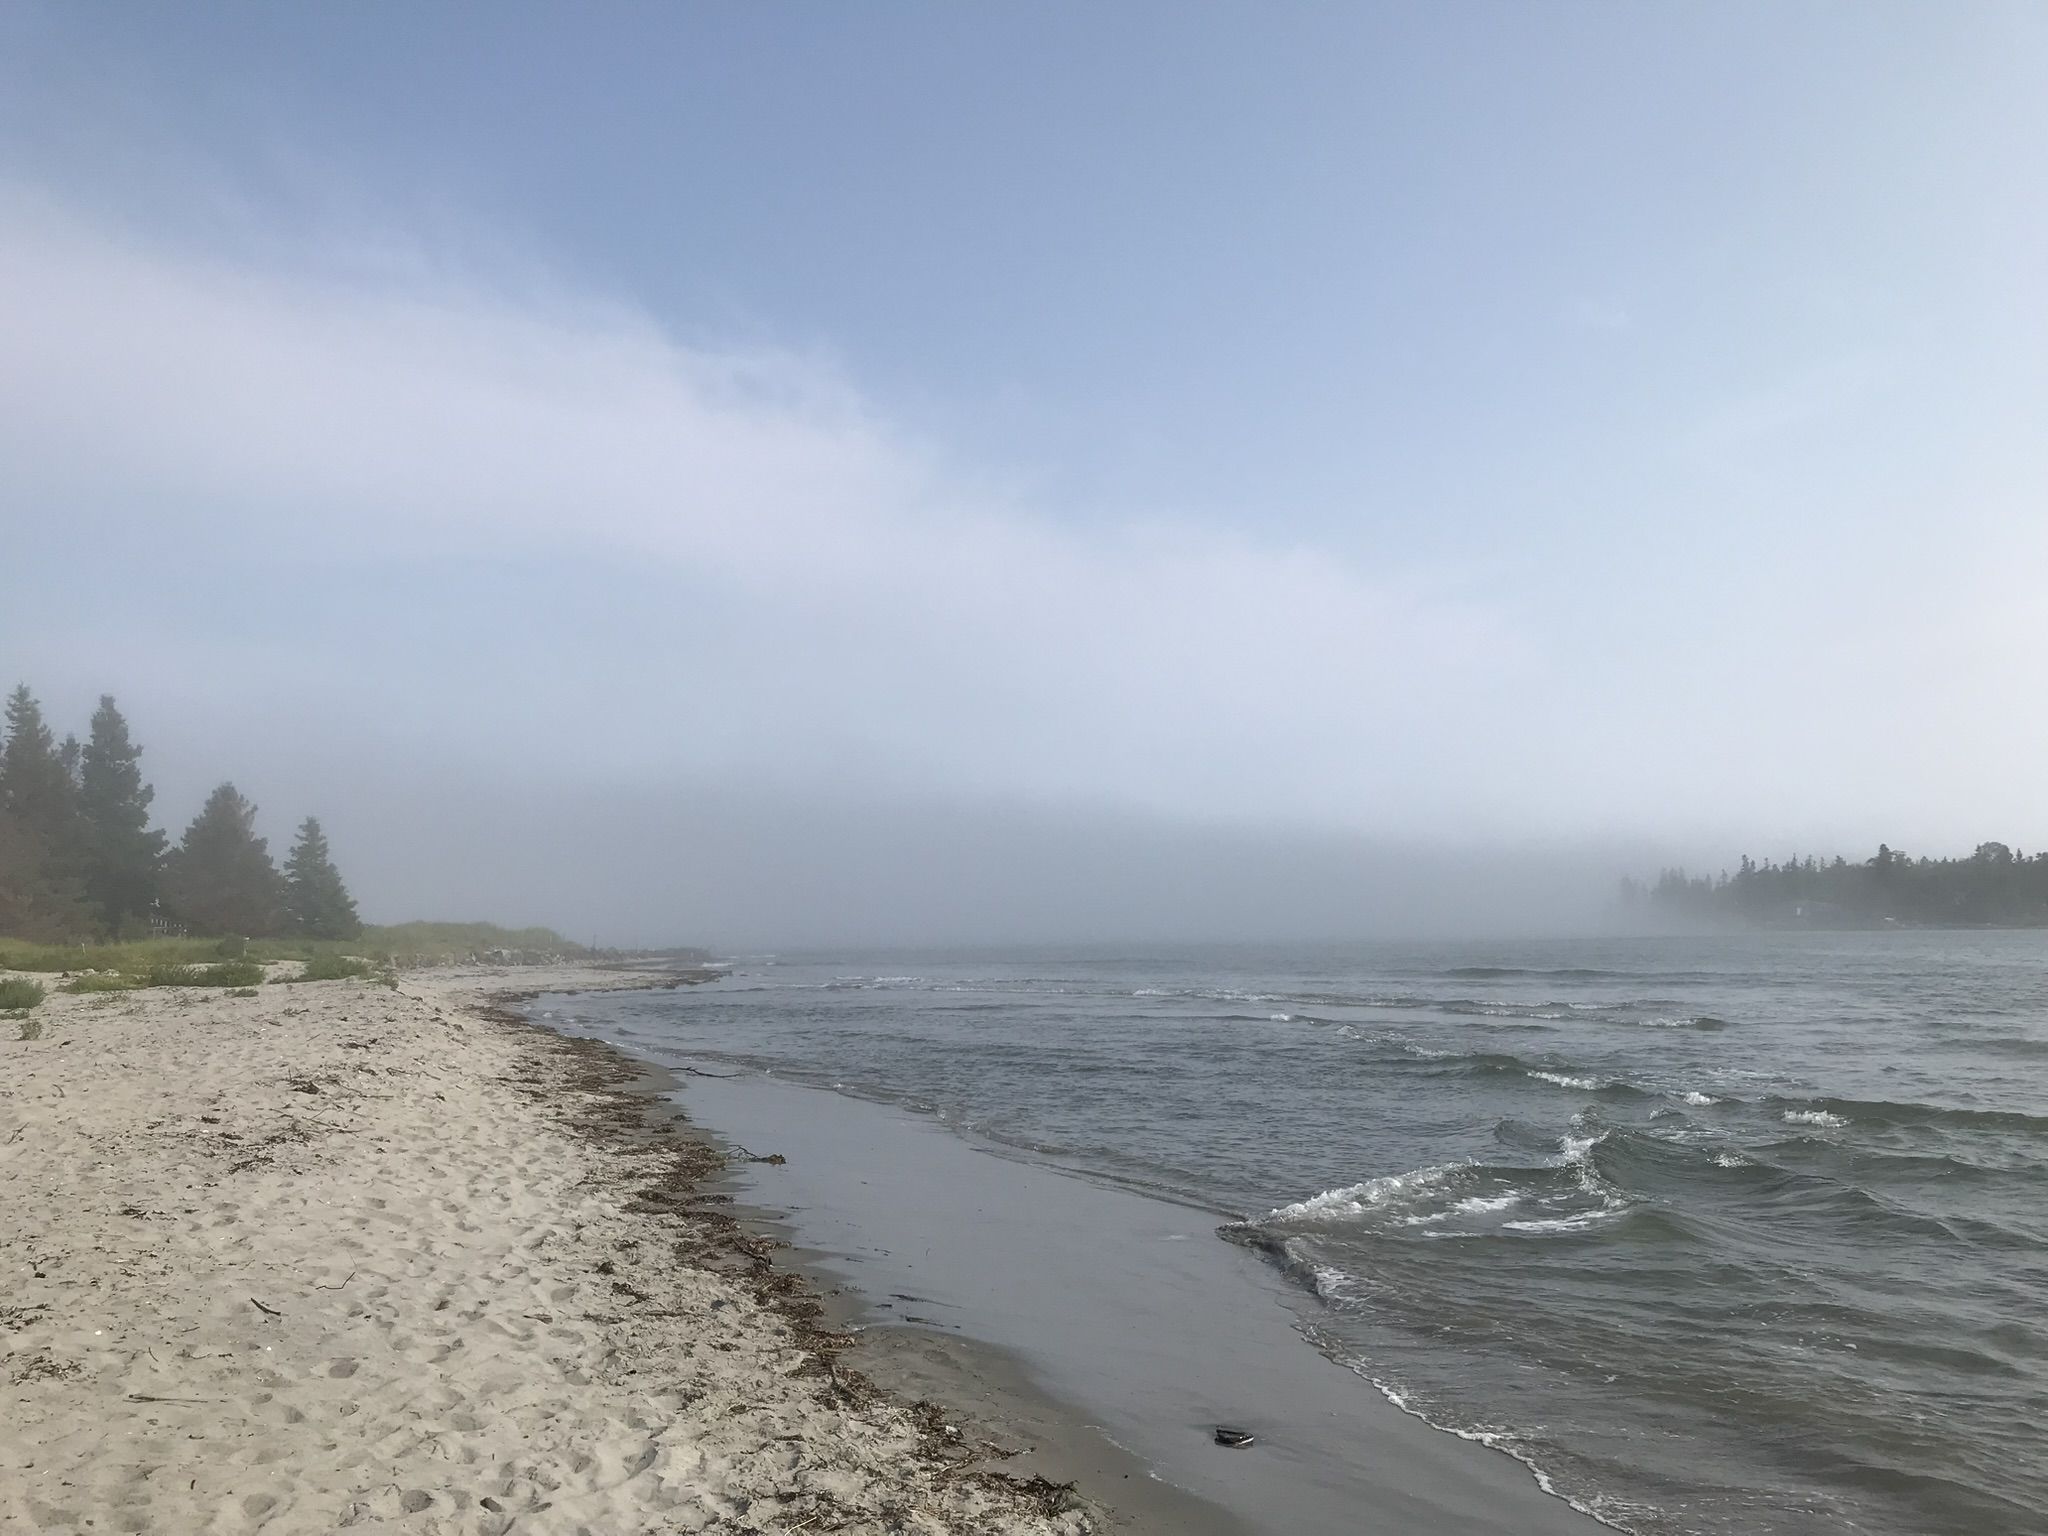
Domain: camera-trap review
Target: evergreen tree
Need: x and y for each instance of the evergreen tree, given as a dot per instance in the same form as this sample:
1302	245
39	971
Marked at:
40	895
316	902
37	902
1994	886
123	853
36	783
220	878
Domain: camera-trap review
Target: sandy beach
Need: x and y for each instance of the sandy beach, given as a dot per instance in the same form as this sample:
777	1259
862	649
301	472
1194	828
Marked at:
342	1256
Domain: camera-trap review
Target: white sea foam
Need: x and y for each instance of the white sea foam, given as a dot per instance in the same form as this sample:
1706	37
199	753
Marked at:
1577	1149
1576	1153
1373	1194
1480	1205
1811	1117
1563	1223
1332	1284
1585	1083
1729	1160
1281	1018
1492	1439
1700	1099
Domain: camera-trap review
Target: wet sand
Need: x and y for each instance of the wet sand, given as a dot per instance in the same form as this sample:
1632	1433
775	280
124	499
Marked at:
1120	1319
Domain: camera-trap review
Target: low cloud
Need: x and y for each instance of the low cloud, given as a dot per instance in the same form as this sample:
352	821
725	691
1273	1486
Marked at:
857	602
328	524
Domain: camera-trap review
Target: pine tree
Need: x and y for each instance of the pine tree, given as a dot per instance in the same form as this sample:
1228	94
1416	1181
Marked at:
316	902
220	878
36	902
123	853
40	894
35	779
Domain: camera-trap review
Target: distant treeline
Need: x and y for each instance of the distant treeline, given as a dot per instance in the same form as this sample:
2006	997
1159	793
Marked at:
1993	887
79	858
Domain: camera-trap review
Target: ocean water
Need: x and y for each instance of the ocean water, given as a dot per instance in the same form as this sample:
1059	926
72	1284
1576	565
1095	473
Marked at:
1743	1234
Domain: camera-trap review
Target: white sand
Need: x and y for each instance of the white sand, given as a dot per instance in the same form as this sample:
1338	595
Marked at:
329	1257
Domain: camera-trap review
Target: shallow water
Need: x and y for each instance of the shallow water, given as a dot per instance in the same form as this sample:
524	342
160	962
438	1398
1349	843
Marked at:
1123	1310
1742	1234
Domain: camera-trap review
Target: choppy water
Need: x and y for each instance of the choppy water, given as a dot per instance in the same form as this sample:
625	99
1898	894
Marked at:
1744	1234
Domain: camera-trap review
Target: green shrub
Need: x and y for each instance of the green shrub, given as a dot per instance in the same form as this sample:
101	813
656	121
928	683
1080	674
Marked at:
132	956
229	973
101	981
42	957
402	944
18	993
408	944
334	968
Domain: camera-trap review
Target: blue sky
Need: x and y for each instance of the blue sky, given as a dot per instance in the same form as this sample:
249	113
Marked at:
1079	240
1560	421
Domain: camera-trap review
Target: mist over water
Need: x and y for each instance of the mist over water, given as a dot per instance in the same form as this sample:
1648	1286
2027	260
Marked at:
998	498
1721	1235
714	862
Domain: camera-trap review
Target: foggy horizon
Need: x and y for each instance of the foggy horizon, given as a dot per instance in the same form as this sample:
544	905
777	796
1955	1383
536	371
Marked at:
899	481
764	866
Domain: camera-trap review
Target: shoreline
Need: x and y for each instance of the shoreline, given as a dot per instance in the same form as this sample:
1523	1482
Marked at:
291	1263
981	1389
1110	1304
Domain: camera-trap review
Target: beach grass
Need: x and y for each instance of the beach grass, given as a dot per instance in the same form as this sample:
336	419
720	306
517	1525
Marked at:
228	973
135	962
335	968
132	957
101	981
19	993
427	943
